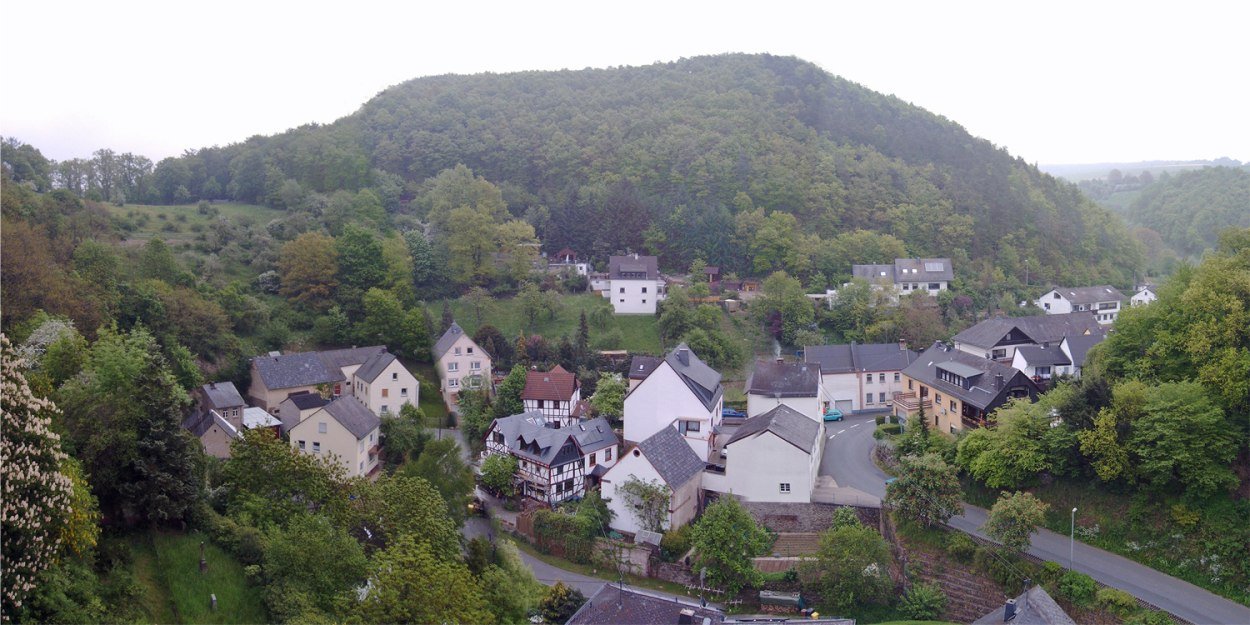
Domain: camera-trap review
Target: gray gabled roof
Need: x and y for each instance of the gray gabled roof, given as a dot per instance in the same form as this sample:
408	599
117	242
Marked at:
1038	328
856	357
528	435
310	368
873	273
907	270
339	358
784	379
304	401
1037	355
1033	607
445	341
641	366
1080	345
788	424
373	367
980	372
353	415
701	379
199	423
222	395
633	264
672	458
1091	294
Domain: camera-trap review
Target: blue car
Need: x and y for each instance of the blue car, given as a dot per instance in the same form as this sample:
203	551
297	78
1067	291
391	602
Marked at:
833	414
730	412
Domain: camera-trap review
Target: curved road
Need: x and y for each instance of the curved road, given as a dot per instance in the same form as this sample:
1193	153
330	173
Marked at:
847	460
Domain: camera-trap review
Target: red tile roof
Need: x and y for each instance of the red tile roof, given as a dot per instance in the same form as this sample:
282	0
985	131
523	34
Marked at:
557	384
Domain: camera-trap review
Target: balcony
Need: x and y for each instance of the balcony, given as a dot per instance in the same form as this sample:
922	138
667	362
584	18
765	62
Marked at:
909	402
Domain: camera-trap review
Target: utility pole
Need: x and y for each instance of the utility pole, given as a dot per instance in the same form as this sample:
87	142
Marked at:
1072	540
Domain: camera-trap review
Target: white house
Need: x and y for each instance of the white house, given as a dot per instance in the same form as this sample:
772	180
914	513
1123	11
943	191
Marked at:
566	261
663	458
634	284
859	377
370	374
461	364
1104	301
773	457
383	385
680	391
1042	363
794	384
553	394
1144	295
997	338
908	275
343	430
554	464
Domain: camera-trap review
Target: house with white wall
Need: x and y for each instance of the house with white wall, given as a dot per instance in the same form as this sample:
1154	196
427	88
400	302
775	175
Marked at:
794	384
554	464
859	377
384	385
908	275
553	394
663	458
1042	363
1103	301
1144	295
461	364
997	338
634	284
343	430
773	457
680	392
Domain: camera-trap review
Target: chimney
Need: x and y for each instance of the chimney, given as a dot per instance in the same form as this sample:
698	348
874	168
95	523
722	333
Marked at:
683	356
998	381
1009	610
902	345
685	617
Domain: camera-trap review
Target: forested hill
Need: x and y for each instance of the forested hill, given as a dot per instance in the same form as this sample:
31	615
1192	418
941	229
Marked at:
668	157
1189	210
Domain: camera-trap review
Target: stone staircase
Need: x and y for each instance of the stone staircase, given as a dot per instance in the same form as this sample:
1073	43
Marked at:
795	545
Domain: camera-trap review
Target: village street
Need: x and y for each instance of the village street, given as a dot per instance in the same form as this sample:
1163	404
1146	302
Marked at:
848	462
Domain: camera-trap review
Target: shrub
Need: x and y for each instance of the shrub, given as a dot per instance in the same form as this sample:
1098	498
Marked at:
675	544
996	566
961	547
1149	617
880	419
887	429
1051	573
1116	601
1078	588
923	602
1183	516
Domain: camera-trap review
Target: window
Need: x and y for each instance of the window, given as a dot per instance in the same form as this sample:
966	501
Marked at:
453	366
896	377
395	377
607	455
881	397
1046	306
622	289
644	301
593	462
999	353
457	352
906	286
453	382
952	405
935	286
372	435
475	366
881	378
1055	296
385	409
386	392
622	301
541	403
868	379
909	385
338	389
301	445
468	350
403	392
785	487
362	465
937	397
321	428
1043	371
868	398
316	447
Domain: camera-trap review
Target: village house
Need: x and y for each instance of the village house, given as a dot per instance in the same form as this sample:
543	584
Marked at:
1103	301
772	457
554	464
566	261
384	385
343	430
958	390
997	338
678	391
794	384
860	377
908	275
221	416
370	374
461	364
554	394
1145	294
634	284
295	408
664	458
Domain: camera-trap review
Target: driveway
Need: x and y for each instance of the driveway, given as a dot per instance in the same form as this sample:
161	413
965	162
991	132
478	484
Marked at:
848	463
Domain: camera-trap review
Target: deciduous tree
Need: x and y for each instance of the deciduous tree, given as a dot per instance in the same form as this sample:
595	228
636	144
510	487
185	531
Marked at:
726	540
309	270
927	490
1014	517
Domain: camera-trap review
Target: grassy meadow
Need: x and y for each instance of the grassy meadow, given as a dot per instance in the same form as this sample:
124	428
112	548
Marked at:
638	333
166	566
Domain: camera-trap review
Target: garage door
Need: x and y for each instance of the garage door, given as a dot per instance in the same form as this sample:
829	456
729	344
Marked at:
843	405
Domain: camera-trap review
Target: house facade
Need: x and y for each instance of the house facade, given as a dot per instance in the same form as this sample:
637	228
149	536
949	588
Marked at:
344	431
553	394
554	464
663	458
1042	363
999	337
384	385
214	432
1103	301
296	408
793	384
461	364
1144	295
634	284
277	376
859	377
957	390
681	392
772	457
908	275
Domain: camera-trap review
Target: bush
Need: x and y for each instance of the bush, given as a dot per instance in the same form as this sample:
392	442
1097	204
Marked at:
675	544
923	602
880	419
1185	517
996	566
1051	573
961	547
887	429
1078	588
1149	617
243	541
1116	601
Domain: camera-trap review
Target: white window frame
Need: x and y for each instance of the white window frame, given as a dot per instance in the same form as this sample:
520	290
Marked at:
784	487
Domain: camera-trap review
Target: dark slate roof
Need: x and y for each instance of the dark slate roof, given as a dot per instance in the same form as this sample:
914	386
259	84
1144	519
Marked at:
353	415
1080	345
672	458
701	379
787	423
1034	607
1037	355
784	379
981	392
291	370
873	273
613	605
1039	328
304	401
222	395
372	368
199	422
648	265
557	384
923	270
1091	294
339	358
528	435
855	357
641	366
446	340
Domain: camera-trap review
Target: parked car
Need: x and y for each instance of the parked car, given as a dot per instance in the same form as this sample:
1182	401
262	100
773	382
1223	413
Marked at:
833	414
732	412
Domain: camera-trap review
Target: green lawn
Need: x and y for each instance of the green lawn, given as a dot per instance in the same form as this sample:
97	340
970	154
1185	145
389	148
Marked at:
639	333
167	567
431	401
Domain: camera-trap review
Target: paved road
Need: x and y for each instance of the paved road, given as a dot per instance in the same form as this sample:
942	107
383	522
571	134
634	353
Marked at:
848	461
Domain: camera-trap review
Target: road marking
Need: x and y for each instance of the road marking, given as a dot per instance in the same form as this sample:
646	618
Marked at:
840	431
856	425
831	436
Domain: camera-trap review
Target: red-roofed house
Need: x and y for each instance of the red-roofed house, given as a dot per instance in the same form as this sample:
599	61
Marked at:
552	393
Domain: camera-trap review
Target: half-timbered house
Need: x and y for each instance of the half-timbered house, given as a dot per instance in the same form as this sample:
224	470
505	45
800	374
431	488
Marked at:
554	464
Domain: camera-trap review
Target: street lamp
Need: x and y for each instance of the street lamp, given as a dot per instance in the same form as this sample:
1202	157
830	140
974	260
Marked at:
1072	540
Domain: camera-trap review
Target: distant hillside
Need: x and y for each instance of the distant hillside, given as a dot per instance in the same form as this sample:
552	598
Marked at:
667	157
1077	172
1190	209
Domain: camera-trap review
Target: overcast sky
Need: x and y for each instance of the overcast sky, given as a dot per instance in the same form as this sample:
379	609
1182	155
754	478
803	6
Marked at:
1053	81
